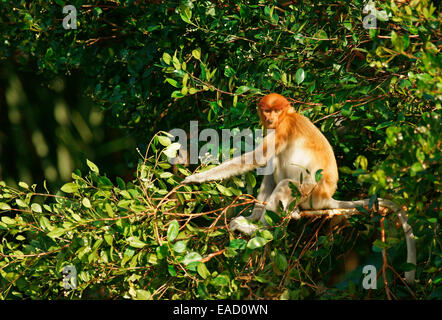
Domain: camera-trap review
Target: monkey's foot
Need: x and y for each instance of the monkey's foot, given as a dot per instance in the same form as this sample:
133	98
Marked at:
242	225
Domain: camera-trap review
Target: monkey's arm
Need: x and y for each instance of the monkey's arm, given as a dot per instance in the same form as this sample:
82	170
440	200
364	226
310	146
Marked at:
248	161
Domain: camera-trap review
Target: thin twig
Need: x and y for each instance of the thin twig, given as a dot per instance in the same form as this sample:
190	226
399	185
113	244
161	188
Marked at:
384	260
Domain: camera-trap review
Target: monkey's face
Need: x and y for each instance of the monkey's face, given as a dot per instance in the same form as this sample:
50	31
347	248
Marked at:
271	117
272	109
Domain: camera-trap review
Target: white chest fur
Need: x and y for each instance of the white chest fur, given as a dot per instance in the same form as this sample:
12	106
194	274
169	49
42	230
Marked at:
295	160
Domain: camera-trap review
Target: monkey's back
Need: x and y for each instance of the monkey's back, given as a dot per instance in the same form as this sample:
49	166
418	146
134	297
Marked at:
307	148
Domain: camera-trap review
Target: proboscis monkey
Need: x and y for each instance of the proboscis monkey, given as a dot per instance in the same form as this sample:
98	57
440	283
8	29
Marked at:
297	150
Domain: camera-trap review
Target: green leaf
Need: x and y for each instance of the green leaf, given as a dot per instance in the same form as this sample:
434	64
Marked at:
105	183
250	179
179	246
362	162
257	242
378	246
136	242
36	208
299	76
171	270
272	218
238	244
202	270
220	281
21	203
165	141
171	151
281	261
173	230
92	166
261	279
143	295
191	257
70	187
57	232
4	206
109	210
86	202
416	167
45	224
177	94
295	191
321	34
318	175
24	185
347	25
8	220
173	82
166	175
185	13
120	183
242	89
109	239
167	58
224	190
162	251
229	71
197	53
266	234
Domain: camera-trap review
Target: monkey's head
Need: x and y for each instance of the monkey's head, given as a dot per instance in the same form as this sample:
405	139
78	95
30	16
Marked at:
272	109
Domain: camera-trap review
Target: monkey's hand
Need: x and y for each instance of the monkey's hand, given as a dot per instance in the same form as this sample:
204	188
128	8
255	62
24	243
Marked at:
195	178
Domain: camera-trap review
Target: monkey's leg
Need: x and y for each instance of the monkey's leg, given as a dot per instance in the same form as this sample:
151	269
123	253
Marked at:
284	194
243	224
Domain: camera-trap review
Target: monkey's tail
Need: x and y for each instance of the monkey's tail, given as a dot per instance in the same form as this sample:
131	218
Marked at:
408	231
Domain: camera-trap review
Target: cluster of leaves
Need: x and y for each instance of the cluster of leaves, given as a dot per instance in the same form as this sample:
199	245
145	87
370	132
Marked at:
219	55
375	93
154	238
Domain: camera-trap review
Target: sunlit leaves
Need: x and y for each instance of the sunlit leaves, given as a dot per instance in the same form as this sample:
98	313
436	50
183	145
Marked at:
375	94
136	242
92	166
300	76
173	230
192	257
69	187
172	149
185	13
196	53
4	206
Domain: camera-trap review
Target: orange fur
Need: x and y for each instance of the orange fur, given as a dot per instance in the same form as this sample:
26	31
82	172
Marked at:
291	126
300	148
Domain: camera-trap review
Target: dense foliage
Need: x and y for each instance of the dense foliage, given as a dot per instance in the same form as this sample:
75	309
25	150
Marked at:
375	93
